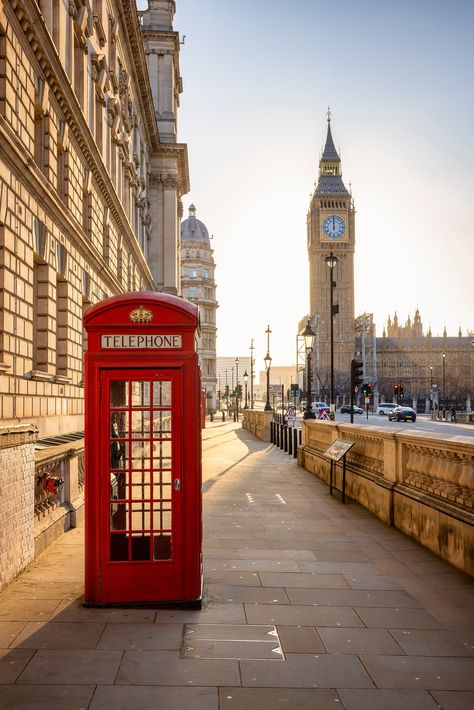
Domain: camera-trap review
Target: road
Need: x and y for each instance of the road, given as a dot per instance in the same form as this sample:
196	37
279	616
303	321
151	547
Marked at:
423	423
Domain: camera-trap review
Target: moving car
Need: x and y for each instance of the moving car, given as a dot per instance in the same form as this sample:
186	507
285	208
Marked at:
346	409
385	407
318	407
402	414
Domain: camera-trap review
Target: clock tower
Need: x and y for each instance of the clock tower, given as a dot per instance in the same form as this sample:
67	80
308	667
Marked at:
331	229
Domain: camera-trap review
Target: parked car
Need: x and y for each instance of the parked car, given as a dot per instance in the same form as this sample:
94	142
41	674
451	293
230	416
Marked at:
346	409
319	407
385	407
402	414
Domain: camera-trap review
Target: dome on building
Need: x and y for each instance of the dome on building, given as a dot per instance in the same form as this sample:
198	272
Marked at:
192	229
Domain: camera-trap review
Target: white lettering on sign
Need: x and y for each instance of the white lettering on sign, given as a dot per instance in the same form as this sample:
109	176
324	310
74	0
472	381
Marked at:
141	341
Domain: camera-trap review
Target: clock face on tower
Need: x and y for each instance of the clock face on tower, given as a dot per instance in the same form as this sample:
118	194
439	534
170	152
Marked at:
334	227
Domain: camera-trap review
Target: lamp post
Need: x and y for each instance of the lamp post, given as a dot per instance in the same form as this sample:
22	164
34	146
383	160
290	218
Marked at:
251	373
219	395
237	386
331	261
268	363
226	393
431	388
308	335
443	355
246	379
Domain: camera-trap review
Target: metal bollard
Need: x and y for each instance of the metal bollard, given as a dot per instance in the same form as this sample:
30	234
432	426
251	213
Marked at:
290	440
223	416
285	438
212	416
272	432
281	436
295	443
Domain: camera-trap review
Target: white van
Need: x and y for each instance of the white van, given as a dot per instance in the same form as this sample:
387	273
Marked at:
318	407
385	407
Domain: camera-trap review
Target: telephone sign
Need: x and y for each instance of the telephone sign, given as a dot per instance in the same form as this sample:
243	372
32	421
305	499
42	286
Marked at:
143	451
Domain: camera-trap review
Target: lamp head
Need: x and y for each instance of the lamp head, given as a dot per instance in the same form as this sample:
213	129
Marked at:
308	335
331	260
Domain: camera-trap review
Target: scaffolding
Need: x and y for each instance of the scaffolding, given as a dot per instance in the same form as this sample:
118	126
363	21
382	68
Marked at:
365	345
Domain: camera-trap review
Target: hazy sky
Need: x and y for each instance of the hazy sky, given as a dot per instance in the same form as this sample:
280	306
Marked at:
258	78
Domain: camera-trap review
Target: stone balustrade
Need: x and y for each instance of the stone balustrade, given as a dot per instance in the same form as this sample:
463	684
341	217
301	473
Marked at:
418	482
58	492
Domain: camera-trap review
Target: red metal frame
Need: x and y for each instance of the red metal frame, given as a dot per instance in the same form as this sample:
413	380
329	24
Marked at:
177	579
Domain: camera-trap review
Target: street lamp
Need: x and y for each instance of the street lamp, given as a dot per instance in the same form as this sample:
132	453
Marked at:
246	379
308	336
331	261
268	363
431	386
443	355
237	386
251	373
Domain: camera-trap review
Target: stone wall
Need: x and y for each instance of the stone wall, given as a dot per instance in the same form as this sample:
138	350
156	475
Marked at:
414	481
17	469
258	422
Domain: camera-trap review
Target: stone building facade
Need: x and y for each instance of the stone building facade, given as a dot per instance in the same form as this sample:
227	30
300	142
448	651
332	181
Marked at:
89	194
331	229
199	286
433	370
91	181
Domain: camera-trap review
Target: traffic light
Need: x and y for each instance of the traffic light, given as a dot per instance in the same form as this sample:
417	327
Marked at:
238	391
395	389
294	390
357	368
400	387
227	391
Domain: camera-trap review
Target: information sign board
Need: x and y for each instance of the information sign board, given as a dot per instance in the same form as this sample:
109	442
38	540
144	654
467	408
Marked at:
338	448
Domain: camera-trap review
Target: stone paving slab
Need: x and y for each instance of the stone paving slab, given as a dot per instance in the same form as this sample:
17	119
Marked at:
388	700
422	642
167	668
357	641
67	667
454	700
307	671
46	697
272	698
9	630
54	635
149	697
425	672
158	637
367	618
353	598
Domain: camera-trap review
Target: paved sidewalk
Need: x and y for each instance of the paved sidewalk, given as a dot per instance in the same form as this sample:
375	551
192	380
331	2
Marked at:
309	605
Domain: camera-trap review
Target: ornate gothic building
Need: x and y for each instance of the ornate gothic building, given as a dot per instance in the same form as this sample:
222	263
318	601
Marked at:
199	286
431	370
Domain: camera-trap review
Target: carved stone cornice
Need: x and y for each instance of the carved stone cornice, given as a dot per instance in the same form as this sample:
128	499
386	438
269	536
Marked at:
17	435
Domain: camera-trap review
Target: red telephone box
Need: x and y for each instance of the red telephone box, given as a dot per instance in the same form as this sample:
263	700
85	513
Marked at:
143	451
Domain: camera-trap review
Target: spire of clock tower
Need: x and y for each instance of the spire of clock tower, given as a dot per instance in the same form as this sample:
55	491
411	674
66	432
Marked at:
330	153
330	175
